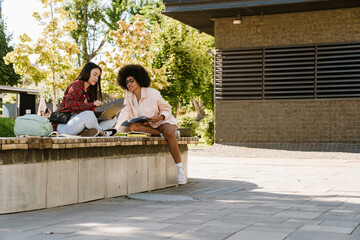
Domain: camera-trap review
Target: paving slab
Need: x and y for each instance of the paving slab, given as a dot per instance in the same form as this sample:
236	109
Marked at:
256	235
308	235
328	229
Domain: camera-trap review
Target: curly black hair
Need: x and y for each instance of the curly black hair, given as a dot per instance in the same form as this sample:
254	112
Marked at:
136	71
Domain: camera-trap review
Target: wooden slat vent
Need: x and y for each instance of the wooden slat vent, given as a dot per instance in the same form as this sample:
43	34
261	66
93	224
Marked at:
297	72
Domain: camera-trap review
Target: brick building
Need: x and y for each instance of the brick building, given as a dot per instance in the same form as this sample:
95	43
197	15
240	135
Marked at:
288	73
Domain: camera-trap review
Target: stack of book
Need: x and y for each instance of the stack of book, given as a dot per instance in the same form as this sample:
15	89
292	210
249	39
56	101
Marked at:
134	134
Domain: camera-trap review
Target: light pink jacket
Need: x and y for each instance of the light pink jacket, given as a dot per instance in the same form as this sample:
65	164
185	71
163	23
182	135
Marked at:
151	104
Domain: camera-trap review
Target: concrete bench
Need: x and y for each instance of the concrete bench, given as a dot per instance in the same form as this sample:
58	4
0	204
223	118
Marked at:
38	172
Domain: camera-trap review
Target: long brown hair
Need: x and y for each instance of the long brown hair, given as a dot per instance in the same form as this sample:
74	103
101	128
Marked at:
94	91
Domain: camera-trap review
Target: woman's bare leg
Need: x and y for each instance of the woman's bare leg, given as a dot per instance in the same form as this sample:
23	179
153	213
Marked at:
140	127
169	133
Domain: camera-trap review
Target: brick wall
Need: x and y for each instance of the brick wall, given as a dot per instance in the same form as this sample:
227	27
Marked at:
327	121
342	25
288	121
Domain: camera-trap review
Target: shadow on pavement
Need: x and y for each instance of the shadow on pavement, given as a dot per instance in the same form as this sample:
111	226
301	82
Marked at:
224	209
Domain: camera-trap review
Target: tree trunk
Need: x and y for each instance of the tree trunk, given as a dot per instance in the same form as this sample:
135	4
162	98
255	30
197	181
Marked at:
53	67
85	34
95	52
176	109
199	107
54	91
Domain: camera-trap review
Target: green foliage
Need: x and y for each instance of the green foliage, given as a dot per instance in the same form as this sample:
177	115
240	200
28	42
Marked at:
92	25
152	12
7	127
174	48
95	20
135	7
206	129
131	46
52	53
190	122
7	72
183	52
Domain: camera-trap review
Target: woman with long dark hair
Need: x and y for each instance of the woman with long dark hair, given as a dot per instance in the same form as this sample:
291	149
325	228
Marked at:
80	98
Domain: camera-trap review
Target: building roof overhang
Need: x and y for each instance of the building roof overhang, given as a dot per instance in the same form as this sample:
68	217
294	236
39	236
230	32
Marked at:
201	13
8	89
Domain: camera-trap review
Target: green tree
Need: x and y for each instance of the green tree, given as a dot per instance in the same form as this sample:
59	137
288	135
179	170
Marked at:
132	46
152	12
90	35
53	55
179	49
184	53
7	72
95	20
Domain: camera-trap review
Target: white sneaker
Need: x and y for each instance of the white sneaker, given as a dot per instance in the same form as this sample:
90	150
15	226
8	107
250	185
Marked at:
181	176
109	132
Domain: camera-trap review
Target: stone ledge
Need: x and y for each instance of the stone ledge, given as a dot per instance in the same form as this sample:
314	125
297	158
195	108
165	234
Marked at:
44	172
33	179
85	142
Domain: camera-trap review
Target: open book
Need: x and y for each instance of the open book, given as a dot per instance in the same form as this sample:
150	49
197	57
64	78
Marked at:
141	119
124	127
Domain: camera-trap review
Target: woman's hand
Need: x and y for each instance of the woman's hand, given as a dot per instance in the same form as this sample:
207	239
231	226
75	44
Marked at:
98	103
155	119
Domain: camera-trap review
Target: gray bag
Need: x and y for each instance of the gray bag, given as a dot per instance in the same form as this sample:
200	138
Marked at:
32	125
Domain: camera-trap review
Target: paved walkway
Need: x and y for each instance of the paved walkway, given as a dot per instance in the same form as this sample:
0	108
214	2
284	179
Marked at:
239	193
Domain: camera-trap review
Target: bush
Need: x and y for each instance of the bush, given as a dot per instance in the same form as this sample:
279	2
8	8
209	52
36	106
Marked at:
190	122
7	127
206	128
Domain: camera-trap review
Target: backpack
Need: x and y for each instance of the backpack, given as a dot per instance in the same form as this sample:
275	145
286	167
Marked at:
32	125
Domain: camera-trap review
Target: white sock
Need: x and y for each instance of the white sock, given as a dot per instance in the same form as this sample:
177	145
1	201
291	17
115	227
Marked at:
179	165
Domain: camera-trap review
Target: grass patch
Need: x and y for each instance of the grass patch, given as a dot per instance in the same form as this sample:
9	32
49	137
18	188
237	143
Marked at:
7	127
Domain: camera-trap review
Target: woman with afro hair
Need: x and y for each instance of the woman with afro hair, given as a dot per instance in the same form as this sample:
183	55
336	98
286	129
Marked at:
141	100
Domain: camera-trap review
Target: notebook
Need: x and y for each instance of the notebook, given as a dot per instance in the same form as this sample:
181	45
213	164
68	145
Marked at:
111	112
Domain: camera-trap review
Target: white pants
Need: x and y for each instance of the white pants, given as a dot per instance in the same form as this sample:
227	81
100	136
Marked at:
86	119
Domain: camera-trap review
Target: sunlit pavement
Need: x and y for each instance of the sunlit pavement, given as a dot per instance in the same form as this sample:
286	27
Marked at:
239	193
